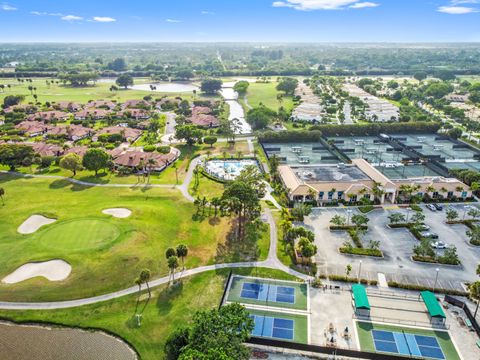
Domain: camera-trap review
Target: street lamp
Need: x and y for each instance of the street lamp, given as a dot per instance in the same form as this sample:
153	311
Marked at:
359	270
349	212
408	214
436	279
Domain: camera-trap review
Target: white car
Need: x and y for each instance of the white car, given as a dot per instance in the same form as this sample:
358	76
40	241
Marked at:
431	207
439	245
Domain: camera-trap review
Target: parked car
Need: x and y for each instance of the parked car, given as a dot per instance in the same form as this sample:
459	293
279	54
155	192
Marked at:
431	207
439	245
438	206
428	235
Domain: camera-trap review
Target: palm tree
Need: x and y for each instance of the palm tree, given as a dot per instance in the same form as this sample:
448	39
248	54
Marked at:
2	194
285	213
144	278
150	164
216	202
475	293
430	189
172	265
182	252
170	252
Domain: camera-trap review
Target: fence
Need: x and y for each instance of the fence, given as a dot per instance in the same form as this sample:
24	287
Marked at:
326	350
464	307
402	322
222	300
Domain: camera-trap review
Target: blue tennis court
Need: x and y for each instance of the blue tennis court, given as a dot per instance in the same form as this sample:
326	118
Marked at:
407	344
268	292
273	327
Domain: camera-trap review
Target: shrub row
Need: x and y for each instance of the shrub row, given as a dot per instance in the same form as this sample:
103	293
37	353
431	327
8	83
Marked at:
345	227
395	284
355	238
361	251
377	128
366	209
289	136
343	278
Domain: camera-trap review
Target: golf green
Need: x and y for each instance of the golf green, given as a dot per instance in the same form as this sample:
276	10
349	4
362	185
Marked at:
79	234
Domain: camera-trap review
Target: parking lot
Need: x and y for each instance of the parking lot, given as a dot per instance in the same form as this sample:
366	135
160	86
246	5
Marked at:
397	247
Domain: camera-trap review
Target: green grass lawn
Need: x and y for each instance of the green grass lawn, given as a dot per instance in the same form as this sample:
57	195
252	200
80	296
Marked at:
100	90
266	93
364	330
206	187
168	309
81	234
106	253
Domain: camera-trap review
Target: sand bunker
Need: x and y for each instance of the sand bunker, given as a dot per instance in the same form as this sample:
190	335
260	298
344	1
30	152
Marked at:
118	212
53	270
33	223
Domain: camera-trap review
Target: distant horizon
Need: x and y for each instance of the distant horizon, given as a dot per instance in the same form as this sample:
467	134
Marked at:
253	42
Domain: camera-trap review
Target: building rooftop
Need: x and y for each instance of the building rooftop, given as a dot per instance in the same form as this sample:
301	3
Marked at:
329	173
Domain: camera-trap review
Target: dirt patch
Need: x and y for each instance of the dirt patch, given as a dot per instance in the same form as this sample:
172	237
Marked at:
33	223
53	270
121	213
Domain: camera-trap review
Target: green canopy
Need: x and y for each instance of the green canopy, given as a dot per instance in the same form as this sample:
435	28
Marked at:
433	307
360	297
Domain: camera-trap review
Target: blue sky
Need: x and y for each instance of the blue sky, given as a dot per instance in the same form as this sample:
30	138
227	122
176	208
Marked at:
240	20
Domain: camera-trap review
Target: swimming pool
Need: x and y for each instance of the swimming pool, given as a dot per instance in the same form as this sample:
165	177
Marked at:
228	169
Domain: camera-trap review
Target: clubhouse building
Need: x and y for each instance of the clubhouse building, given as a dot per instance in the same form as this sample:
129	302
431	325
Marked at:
384	169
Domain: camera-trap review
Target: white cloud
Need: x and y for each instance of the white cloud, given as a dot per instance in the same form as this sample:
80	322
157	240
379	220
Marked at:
325	4
362	5
71	18
205	12
315	4
457	2
457	10
172	21
7	7
104	19
38	13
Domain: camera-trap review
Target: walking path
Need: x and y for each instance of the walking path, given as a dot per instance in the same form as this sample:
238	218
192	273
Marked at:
271	262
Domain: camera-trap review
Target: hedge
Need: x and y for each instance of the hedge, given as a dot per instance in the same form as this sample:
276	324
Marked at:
377	128
366	209
289	136
395	284
437	260
344	278
361	251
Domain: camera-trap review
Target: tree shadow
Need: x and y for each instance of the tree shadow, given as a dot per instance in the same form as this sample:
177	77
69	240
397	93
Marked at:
59	184
134	321
235	249
167	297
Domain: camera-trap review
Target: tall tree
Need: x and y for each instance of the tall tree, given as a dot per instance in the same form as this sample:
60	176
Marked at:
13	155
172	262
211	86
124	81
95	160
218	334
182	252
71	162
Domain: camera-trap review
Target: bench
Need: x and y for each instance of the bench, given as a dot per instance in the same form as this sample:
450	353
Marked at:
467	322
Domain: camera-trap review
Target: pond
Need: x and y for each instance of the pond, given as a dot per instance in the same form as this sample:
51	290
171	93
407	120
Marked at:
35	342
176	87
236	110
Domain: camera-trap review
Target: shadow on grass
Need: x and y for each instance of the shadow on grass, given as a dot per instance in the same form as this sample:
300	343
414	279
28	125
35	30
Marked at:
59	184
167	297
